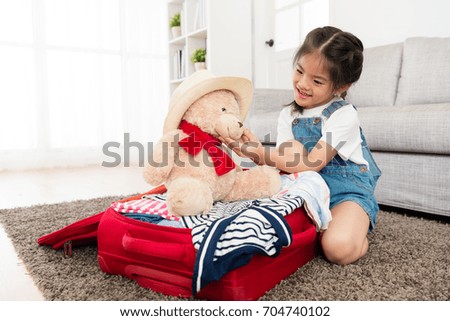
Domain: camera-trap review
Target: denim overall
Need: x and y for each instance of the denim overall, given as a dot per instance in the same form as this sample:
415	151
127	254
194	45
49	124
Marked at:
347	180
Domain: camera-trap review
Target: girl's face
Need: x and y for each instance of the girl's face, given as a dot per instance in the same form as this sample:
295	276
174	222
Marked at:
311	80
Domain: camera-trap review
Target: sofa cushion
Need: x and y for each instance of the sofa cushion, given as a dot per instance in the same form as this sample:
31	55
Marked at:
263	114
425	75
410	129
377	85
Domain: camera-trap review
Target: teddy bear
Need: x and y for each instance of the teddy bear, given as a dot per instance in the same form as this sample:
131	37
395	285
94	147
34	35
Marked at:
190	160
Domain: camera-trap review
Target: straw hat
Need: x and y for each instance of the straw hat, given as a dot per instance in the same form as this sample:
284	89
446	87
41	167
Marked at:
201	83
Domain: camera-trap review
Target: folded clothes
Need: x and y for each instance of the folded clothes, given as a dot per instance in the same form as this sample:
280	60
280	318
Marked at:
149	204
154	219
309	186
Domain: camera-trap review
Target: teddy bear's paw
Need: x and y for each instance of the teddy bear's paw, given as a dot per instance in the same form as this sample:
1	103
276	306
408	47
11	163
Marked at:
257	182
187	196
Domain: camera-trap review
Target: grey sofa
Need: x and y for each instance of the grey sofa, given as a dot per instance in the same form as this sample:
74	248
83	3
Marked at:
403	101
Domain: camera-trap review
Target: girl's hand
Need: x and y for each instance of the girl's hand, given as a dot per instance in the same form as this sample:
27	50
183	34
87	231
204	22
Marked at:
247	146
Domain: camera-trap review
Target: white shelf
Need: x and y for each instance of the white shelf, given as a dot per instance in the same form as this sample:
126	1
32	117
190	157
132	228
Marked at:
177	81
223	28
178	41
200	33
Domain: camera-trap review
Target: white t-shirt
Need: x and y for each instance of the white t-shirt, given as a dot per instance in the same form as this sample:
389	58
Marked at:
342	128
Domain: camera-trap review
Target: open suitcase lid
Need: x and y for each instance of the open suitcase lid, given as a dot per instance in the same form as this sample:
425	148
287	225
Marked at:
84	231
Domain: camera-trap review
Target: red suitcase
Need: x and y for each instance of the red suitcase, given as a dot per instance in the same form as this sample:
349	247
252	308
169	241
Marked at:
162	258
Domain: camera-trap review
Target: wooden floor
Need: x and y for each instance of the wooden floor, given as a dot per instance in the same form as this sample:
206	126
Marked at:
28	188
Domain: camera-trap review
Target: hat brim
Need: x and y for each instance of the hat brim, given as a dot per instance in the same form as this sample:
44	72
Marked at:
242	89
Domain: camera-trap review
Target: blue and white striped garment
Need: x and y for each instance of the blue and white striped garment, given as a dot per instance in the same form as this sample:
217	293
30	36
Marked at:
234	232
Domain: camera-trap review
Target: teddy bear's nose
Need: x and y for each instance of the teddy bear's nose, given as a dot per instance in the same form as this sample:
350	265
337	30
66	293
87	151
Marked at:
240	124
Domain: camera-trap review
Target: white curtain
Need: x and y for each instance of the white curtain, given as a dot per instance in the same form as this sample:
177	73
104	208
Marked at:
78	74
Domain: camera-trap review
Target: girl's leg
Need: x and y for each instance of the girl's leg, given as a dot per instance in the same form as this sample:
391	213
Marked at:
345	240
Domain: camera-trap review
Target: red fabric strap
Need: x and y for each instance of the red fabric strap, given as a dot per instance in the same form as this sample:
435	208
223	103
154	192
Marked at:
198	140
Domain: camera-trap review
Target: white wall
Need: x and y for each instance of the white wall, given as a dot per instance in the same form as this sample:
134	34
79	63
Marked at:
389	21
375	22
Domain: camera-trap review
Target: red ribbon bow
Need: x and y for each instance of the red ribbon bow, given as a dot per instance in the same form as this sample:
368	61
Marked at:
198	140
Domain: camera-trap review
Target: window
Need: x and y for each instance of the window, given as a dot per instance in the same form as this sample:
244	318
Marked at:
76	74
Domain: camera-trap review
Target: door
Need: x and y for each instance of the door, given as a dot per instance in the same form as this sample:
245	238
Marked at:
280	26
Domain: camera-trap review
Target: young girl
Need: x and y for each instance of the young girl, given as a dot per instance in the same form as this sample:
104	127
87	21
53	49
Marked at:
320	132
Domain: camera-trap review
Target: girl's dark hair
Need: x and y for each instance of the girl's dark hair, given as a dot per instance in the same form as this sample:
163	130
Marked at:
342	51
